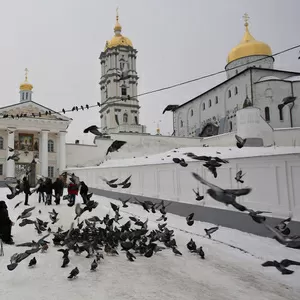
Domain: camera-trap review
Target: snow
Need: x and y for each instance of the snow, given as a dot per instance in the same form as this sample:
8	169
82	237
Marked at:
266	78
222	152
226	273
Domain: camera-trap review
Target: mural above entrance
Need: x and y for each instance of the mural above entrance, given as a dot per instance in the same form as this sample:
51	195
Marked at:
25	141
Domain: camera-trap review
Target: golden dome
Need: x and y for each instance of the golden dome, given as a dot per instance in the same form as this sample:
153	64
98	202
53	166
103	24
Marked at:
248	46
118	39
26	86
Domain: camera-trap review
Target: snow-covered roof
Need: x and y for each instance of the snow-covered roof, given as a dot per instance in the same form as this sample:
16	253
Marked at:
222	152
266	78
293	78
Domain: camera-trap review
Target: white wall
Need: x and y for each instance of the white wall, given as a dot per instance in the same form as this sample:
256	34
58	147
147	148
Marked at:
274	179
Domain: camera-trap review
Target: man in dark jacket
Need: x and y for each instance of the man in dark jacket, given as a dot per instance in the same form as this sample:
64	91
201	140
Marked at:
48	191
84	191
5	224
58	187
26	187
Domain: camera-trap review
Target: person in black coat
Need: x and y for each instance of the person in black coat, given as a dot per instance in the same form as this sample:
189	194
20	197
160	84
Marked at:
58	187
5	224
41	190
48	191
84	191
26	187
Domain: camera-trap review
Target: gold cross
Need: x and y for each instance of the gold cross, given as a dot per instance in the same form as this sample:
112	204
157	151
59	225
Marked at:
26	74
117	12
246	18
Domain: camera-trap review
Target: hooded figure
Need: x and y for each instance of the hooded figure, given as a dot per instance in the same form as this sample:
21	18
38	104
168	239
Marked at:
58	187
5	224
26	187
48	191
84	191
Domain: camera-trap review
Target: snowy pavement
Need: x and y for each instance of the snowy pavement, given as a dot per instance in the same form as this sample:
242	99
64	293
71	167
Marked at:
226	273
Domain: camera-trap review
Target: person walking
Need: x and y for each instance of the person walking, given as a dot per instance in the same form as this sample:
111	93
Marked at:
26	188
41	190
72	192
48	191
5	224
58	187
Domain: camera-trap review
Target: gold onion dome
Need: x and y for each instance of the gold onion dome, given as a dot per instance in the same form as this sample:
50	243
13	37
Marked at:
26	86
118	39
248	46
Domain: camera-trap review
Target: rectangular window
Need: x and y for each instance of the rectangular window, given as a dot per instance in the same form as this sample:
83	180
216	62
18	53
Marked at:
50	171
26	95
124	91
1	169
1	143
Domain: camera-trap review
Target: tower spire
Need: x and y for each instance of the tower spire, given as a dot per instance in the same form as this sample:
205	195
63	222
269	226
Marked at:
118	27
26	74
246	19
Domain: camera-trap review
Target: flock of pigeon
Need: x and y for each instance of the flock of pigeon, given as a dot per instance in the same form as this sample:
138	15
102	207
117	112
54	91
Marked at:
97	237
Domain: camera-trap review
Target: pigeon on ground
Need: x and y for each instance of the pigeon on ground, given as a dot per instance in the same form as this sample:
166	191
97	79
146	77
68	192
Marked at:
94	265
130	256
198	196
283	226
211	230
115	146
176	251
94	130
239	176
191	245
240	142
201	253
73	273
32	262
227	196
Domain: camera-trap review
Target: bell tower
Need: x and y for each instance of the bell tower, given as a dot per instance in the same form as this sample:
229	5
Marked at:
26	89
118	84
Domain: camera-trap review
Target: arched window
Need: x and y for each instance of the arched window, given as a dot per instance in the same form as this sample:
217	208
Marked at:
217	100
209	103
125	118
267	114
236	90
203	106
230	126
229	93
192	112
181	123
50	146
1	142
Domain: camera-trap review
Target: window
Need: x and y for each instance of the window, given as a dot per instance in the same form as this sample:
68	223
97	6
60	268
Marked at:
50	171
125	118
1	169
192	112
1	142
122	64
23	96
230	126
26	95
203	106
50	146
267	114
124	91
217	100
236	90
280	115
209	103
229	93
181	123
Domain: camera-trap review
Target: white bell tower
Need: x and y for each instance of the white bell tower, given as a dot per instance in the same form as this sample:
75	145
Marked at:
120	107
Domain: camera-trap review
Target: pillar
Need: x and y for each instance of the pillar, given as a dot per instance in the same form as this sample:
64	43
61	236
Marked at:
57	150
62	151
44	154
10	164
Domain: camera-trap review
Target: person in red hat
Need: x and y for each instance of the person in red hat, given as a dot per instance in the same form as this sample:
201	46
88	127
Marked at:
72	192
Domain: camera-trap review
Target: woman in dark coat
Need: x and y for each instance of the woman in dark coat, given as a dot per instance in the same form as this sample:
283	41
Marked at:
58	187
5	224
84	191
27	192
41	190
48	191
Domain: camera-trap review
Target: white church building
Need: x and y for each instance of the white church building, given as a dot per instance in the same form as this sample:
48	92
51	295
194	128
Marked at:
251	81
32	130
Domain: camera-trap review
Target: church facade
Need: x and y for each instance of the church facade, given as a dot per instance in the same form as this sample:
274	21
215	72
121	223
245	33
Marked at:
118	84
32	130
251	81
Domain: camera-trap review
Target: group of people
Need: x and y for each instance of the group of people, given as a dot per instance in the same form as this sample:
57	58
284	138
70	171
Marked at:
45	193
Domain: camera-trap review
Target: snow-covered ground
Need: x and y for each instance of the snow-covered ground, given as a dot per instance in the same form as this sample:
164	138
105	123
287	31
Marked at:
226	273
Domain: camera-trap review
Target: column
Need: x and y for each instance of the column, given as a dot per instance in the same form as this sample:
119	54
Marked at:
44	154
10	164
57	150
62	151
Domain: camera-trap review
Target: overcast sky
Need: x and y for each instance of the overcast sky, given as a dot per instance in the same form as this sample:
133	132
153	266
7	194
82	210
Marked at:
59	41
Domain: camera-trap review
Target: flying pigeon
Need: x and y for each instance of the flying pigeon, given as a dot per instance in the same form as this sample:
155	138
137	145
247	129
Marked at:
281	266
198	196
239	141
239	176
94	130
211	230
115	146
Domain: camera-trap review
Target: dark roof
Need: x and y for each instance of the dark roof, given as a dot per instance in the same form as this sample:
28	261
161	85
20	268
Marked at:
227	80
